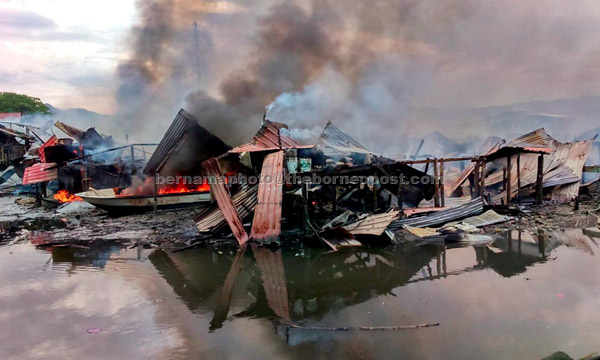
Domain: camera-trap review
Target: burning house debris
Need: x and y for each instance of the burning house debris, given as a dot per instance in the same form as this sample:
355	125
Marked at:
335	191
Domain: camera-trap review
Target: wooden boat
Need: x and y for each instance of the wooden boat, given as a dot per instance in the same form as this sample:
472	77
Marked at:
107	200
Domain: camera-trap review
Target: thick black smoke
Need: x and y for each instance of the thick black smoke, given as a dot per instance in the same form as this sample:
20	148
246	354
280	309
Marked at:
382	70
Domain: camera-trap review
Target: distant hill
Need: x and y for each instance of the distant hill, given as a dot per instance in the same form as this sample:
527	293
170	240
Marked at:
564	119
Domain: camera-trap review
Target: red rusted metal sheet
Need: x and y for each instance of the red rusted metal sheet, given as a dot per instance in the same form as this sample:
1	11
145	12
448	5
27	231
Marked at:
10	115
267	214
41	172
219	190
271	136
51	142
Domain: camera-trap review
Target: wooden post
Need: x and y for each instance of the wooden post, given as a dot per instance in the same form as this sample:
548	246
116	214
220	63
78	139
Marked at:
436	198
374	192
442	190
399	195
482	187
475	181
540	180
133	169
155	192
305	207
504	178
508	179
519	178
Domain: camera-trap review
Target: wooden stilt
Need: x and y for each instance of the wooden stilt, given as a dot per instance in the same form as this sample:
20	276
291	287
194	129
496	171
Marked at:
540	180
482	176
442	189
508	179
519	178
475	181
133	169
436	198
155	192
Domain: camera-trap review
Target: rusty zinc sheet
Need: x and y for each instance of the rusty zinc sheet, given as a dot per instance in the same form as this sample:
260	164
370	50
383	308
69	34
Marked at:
562	170
374	224
534	138
334	136
271	136
40	172
212	219
576	154
219	190
50	142
267	214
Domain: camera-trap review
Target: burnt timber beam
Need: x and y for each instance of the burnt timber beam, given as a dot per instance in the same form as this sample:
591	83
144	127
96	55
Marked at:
540	180
508	178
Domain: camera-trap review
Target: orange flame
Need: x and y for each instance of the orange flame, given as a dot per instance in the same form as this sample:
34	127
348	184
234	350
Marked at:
181	188
63	196
147	188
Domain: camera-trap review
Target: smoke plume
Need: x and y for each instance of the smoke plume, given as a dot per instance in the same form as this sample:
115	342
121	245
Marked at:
381	70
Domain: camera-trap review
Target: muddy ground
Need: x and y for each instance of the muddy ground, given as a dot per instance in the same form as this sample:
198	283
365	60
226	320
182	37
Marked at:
80	223
21	220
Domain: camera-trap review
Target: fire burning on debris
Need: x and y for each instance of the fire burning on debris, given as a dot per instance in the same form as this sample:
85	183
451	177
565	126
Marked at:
182	188
63	196
147	188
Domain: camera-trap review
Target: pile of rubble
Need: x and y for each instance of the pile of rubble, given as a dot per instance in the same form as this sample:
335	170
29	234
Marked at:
333	191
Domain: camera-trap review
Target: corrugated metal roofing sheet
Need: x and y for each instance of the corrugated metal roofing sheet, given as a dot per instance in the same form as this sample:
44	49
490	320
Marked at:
471	208
575	156
334	136
267	214
219	190
50	142
489	217
270	137
536	137
374	224
212	219
562	169
40	172
10	115
180	125
420	232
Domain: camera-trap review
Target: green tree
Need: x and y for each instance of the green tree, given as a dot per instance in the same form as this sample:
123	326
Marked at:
12	102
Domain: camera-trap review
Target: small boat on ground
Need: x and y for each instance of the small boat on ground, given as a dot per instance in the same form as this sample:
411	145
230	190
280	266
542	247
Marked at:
107	200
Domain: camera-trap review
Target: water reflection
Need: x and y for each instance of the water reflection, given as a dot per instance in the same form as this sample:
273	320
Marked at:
304	284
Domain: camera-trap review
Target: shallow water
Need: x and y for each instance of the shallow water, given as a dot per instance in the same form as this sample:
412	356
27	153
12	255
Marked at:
526	297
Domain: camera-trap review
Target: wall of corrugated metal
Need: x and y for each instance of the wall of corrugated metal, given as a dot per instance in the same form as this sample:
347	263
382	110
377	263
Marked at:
221	194
267	215
38	173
